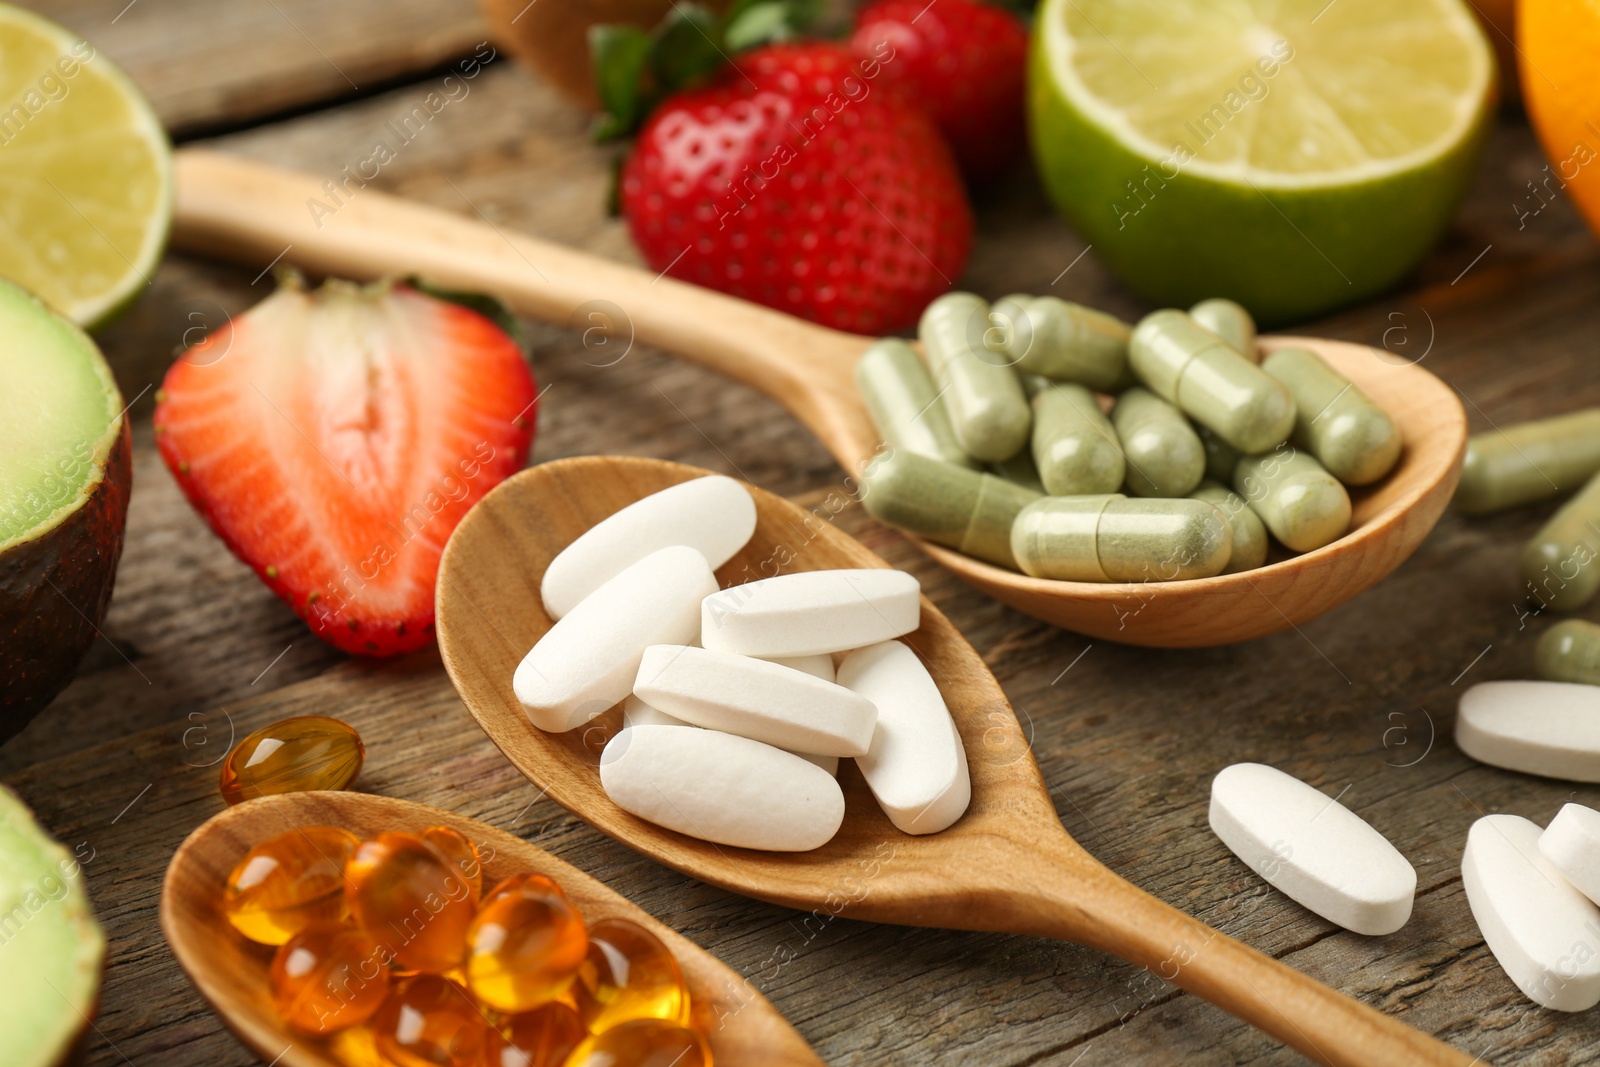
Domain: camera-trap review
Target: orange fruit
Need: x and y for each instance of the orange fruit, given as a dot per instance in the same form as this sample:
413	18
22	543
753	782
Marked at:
1559	40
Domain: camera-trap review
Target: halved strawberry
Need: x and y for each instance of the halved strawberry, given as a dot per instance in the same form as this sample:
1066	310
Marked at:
333	439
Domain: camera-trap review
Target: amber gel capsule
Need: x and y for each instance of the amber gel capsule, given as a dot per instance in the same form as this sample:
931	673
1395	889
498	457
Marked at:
1163	453
903	403
1113	538
290	882
1231	322
1514	465
1350	435
1074	447
1069	343
980	390
1569	652
1560	564
1212	384
305	752
1303	505
962	509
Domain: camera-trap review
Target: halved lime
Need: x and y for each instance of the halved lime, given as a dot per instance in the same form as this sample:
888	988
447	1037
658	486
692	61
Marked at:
1294	155
85	172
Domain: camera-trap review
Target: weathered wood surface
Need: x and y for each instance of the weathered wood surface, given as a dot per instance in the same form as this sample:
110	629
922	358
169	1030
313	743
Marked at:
1359	701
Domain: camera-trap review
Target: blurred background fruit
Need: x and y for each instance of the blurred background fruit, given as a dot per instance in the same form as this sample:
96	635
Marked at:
962	62
1295	156
1560	42
552	37
1500	27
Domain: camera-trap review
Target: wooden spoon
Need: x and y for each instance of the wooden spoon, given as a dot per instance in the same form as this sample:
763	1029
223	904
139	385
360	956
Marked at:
256	214
231	972
1007	865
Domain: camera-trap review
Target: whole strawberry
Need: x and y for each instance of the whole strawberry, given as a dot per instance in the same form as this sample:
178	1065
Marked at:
964	63
790	179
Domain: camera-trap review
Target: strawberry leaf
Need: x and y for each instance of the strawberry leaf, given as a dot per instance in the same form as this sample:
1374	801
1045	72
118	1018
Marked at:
621	59
752	23
687	46
490	307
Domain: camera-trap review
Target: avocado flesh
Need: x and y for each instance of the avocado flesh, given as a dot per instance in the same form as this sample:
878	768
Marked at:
51	947
65	472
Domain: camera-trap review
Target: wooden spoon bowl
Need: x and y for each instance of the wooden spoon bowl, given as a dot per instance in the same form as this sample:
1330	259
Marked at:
1007	865
257	214
231	972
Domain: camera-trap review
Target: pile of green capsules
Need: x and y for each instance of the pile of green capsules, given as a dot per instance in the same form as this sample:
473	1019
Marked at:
997	443
1526	464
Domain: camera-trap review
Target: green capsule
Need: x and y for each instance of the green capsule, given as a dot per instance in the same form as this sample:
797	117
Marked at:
903	403
1249	546
1559	564
1529	462
1231	322
1074	446
1069	343
1221	457
963	509
1164	454
1303	505
1005	317
1210	382
1112	538
1569	652
1019	470
980	390
1336	422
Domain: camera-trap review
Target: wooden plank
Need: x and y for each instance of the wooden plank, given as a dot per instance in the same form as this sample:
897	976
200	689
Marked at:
206	65
1127	739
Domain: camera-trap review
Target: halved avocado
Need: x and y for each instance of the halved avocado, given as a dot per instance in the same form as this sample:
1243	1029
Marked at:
65	472
51	948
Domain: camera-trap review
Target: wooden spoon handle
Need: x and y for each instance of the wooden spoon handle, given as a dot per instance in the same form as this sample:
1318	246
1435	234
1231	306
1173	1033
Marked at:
1092	906
258	215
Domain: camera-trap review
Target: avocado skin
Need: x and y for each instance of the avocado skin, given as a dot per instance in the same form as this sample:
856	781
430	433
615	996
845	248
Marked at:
54	591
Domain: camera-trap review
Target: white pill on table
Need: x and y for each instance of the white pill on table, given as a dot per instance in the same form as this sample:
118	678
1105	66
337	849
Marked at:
722	788
635	712
714	515
756	699
818	666
811	612
1572	845
1544	934
587	661
917	766
1545	728
1312	848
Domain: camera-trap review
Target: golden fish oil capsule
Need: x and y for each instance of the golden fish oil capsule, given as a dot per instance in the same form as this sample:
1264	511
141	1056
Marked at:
327	978
524	948
646	1043
411	900
628	974
289	882
305	752
429	1021
544	1037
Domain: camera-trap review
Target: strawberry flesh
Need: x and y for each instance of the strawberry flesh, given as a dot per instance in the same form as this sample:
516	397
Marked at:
334	439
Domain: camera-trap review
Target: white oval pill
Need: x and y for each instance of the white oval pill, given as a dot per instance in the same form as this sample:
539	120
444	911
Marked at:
916	767
715	515
636	712
1311	847
811	612
586	662
818	666
756	699
1572	845
1543	932
722	788
1545	728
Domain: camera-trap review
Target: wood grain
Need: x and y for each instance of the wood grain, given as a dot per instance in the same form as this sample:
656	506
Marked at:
1357	702
743	1028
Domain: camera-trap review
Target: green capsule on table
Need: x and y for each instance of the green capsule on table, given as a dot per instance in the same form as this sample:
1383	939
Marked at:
1559	564
1163	453
1303	505
1531	461
1210	382
963	509
1569	652
1112	538
1249	546
903	403
1019	470
1231	322
980	390
1005	318
1221	457
1352	437
1070	343
1074	447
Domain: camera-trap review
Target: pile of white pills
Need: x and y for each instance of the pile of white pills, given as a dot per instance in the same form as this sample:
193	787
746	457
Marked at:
735	714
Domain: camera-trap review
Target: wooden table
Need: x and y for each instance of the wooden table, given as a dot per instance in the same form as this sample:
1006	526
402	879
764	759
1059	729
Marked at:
1359	702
